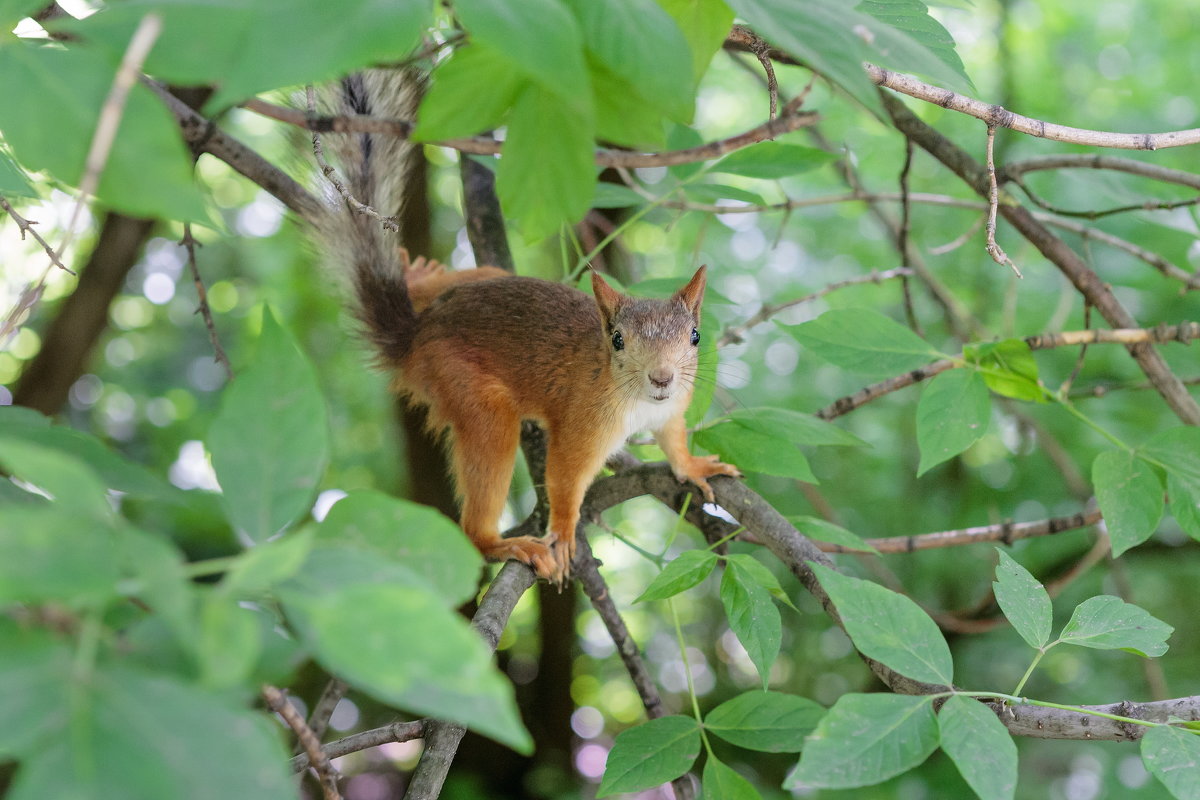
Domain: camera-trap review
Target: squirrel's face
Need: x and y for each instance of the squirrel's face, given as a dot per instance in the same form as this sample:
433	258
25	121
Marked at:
653	344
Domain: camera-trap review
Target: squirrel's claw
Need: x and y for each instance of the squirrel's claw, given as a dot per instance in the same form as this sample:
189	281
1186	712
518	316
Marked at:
698	469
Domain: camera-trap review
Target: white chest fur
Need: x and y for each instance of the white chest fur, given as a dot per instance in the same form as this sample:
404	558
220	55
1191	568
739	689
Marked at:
645	415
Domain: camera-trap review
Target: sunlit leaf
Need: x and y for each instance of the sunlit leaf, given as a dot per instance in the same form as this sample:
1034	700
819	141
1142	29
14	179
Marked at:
682	573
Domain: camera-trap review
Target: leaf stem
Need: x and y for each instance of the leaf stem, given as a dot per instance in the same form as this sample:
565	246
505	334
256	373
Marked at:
1036	660
1025	701
687	671
210	566
1079	415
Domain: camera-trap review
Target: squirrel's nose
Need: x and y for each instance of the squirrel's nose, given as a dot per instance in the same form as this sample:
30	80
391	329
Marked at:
661	378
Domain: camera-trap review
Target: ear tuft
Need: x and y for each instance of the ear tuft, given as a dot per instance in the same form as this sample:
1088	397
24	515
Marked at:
693	294
608	299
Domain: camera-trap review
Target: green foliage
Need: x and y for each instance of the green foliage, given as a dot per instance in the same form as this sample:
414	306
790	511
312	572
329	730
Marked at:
1008	368
865	739
889	627
1023	600
1171	755
270	443
864	341
772	160
953	414
1109	623
682	573
1130	497
651	753
766	440
772	722
979	746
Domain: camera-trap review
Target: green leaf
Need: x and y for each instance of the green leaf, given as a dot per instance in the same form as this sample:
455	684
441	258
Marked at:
650	754
31	686
721	782
614	195
263	566
835	40
752	451
1184	504
681	137
543	42
823	531
1023	600
771	722
889	627
459	102
238	45
73	486
55	554
753	618
772	160
865	739
400	644
1130	496
864	341
13	11
149	171
622	116
13	180
705	24
682	573
711	193
639	43
1008	368
1105	622
228	645
794	426
754	570
417	537
980	746
953	414
161	583
911	17
546	176
1173	756
119	735
270	440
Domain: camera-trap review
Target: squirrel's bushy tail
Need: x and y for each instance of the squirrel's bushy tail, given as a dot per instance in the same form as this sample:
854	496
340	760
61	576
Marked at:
374	169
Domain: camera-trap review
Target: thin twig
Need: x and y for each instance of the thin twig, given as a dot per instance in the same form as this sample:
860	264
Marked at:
390	223
322	710
951	246
26	226
326	774
786	122
902	238
762	53
1131	166
994	250
1148	205
1005	532
395	732
1184	332
190	244
736	333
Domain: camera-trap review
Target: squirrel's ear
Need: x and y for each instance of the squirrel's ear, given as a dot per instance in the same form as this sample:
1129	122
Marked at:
607	298
692	294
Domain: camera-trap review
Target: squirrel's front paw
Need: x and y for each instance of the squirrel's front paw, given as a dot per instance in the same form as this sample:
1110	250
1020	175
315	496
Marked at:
563	551
697	469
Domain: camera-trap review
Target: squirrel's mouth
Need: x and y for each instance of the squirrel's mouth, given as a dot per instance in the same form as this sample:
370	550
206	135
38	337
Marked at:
659	398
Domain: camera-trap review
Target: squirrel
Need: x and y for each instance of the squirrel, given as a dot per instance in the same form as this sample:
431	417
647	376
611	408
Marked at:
485	350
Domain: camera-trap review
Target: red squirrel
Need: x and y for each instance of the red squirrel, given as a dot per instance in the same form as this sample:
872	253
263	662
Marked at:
485	350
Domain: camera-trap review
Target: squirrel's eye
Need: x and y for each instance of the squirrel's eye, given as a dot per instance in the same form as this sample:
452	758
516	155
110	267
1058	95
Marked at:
695	337
618	341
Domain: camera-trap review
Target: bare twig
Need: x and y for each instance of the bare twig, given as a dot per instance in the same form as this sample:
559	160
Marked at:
322	710
761	52
395	732
736	333
1006	532
317	759
1148	205
789	120
844	405
26	226
959	241
1016	169
994	250
902	245
390	223
998	117
190	244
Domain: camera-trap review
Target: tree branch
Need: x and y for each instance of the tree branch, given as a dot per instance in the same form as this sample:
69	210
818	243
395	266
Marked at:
326	774
395	732
1095	291
1006	532
788	121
